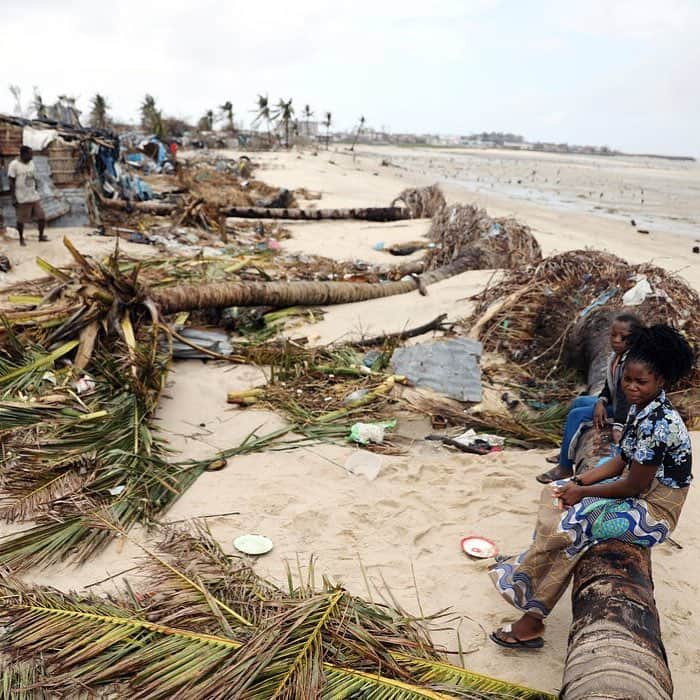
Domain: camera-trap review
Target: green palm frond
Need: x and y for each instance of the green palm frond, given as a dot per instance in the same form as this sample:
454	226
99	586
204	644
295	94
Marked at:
434	672
284	658
303	643
342	683
18	679
25	495
15	377
199	582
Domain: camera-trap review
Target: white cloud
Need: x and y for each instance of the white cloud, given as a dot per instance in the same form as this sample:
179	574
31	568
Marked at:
551	69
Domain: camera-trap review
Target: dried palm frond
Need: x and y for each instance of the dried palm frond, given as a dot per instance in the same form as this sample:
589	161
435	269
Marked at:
422	202
531	315
304	642
465	231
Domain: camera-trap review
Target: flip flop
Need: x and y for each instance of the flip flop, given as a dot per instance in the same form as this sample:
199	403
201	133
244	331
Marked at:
536	643
553	475
552	459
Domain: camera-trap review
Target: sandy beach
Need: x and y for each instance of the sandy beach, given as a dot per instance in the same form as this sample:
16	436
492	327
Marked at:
404	527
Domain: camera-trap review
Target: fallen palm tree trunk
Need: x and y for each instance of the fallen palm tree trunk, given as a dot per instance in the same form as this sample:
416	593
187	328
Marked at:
615	648
282	294
150	207
361	213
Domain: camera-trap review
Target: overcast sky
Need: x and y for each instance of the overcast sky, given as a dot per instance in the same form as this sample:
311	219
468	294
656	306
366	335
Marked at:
622	73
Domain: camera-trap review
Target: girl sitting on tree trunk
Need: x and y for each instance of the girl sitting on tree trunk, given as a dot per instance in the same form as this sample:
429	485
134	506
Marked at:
610	403
636	496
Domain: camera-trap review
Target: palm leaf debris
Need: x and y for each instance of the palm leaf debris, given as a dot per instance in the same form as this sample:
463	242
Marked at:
205	625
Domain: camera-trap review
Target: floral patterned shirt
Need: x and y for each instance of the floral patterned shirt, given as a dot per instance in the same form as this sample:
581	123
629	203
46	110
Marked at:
657	437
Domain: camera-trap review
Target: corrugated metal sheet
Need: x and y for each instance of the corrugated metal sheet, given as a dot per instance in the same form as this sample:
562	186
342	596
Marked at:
450	367
78	214
51	201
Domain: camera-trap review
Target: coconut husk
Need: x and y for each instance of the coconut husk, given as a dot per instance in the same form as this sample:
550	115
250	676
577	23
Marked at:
422	202
461	231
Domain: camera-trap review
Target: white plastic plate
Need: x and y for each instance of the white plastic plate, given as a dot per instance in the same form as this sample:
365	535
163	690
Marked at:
253	544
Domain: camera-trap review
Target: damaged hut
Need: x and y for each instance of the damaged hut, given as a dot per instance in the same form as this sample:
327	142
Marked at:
66	158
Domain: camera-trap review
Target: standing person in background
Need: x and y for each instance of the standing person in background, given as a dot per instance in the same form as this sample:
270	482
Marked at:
24	193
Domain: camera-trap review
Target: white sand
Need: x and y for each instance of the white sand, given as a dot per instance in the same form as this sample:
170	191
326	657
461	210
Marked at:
409	521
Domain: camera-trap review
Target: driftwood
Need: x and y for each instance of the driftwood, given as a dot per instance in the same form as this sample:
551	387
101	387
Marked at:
435	325
363	213
615	648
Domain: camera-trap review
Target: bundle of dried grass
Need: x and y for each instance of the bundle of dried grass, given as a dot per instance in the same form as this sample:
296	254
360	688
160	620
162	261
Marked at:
530	316
465	231
422	202
223	190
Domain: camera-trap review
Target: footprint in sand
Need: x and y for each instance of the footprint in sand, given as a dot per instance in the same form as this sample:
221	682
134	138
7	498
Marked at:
309	523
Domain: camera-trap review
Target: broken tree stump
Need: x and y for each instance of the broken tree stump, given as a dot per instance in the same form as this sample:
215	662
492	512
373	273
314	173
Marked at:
363	213
615	649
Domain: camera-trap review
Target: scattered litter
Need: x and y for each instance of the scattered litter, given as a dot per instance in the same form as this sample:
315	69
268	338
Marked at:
85	385
638	293
408	248
214	341
364	463
603	299
116	490
253	544
355	396
477	447
642	230
478	547
471	437
371	358
216	465
364	433
450	367
5	264
379	245
696	249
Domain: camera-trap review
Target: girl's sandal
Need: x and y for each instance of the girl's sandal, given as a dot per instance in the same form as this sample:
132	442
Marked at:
535	643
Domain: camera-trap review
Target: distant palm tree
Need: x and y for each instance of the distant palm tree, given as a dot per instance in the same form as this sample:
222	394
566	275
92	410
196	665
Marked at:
98	113
357	133
307	118
39	105
227	113
327	124
285	112
265	114
152	117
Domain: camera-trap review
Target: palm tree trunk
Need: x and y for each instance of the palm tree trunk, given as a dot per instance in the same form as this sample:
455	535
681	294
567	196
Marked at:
283	294
362	213
615	648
